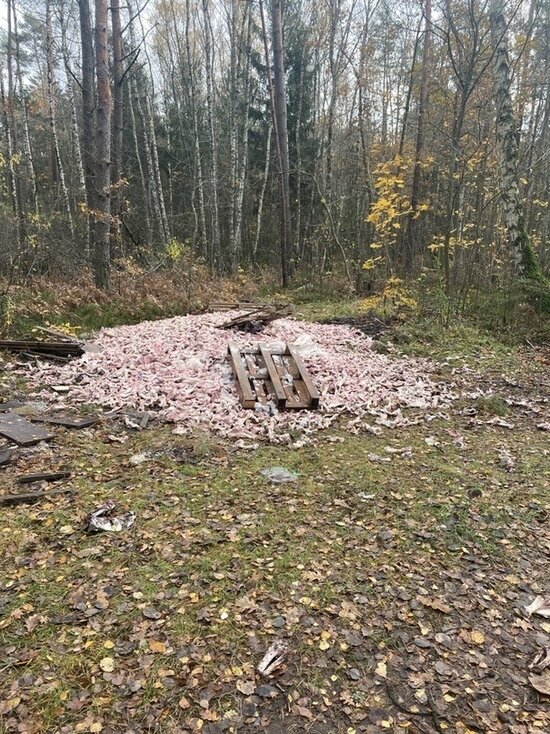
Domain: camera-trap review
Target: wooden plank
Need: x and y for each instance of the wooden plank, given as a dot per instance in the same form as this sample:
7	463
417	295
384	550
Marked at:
68	421
278	389
8	500
43	477
9	404
44	355
247	397
5	456
64	349
21	431
314	396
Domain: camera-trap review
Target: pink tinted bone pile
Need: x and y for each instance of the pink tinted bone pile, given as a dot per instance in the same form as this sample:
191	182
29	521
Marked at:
177	370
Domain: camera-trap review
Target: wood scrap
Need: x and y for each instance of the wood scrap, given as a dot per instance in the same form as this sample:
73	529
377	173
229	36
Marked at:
43	477
272	377
5	456
258	317
9	500
10	404
244	306
22	431
43	348
68	421
37	356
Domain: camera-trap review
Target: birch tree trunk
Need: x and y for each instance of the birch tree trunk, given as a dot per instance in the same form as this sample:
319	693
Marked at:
26	131
102	178
215	216
11	133
194	112
523	257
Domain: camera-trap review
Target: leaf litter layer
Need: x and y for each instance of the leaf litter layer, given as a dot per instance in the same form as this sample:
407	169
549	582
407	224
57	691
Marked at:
401	582
177	370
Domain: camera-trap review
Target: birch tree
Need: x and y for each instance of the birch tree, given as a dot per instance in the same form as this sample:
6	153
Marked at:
524	261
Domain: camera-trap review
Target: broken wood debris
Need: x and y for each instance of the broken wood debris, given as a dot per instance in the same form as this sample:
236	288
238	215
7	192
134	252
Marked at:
43	477
5	455
277	377
22	431
68	421
8	500
37	348
255	319
245	306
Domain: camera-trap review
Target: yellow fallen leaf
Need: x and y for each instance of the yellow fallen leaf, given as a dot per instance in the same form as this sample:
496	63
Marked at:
183	703
109	644
96	727
478	638
325	635
382	669
107	665
10	704
157	646
324	645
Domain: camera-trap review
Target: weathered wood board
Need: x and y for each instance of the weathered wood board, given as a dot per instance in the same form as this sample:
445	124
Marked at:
267	376
22	431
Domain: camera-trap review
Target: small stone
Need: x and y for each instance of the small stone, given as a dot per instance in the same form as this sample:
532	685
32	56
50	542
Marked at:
279	622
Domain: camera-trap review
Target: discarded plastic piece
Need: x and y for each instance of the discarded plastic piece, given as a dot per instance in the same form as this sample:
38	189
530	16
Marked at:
273	658
140	458
305	346
104	519
279	475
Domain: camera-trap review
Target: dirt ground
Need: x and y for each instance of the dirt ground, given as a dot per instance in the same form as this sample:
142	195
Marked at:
396	570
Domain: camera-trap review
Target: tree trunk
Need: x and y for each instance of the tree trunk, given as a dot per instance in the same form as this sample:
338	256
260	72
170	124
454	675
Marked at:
102	179
416	192
194	112
118	126
11	132
262	193
52	116
282	134
88	104
523	258
215	216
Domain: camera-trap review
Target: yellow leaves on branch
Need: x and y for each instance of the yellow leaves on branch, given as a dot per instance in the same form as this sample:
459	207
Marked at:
391	204
394	298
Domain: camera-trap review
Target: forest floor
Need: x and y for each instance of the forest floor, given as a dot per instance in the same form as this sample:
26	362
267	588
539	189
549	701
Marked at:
397	580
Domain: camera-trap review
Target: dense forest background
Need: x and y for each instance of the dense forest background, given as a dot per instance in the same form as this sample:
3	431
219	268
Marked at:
143	134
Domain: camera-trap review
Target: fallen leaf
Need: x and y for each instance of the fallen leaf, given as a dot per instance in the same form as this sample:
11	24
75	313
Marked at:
246	687
541	683
157	646
107	665
184	703
381	669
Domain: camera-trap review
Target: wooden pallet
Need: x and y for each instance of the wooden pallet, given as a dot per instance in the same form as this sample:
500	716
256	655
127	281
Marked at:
265	375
